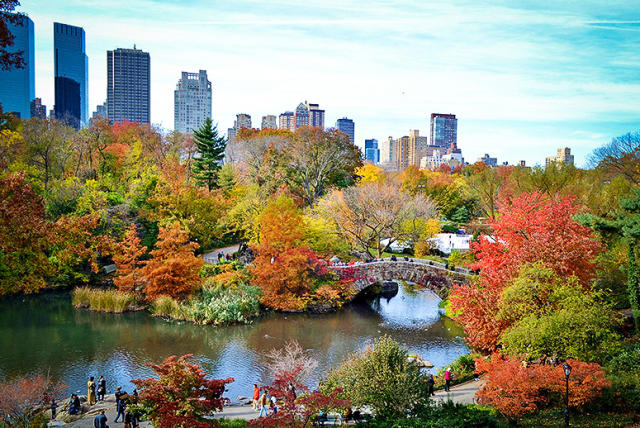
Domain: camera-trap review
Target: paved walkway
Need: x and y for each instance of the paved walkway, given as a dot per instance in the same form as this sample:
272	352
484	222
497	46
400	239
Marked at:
212	256
463	393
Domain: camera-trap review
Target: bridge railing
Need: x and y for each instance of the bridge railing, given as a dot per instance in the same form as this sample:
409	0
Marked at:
433	263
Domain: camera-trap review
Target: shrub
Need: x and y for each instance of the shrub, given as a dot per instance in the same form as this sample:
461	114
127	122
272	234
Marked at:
103	300
444	415
380	376
623	371
225	305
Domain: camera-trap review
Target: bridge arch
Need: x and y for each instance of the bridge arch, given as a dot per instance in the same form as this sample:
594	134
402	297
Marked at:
426	273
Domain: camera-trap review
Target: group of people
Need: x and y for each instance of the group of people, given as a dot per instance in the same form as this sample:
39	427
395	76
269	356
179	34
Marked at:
266	405
96	391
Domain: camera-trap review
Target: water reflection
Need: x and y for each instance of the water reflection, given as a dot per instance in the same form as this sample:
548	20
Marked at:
44	332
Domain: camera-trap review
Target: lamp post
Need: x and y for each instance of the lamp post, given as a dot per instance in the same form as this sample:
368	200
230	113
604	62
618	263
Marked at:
567	372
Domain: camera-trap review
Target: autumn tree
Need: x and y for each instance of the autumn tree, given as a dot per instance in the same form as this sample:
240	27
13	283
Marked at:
23	398
292	359
24	233
127	259
8	58
531	228
301	411
181	395
210	153
367	213
173	269
516	389
620	157
370	173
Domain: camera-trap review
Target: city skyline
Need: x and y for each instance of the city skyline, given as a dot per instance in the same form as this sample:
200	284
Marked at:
559	75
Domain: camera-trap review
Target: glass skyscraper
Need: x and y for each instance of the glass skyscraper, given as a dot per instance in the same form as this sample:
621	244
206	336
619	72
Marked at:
71	71
371	151
129	85
17	86
444	129
347	126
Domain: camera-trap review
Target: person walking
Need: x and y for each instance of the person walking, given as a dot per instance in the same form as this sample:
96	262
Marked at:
91	393
100	421
263	405
430	383
120	406
256	396
53	407
447	378
102	388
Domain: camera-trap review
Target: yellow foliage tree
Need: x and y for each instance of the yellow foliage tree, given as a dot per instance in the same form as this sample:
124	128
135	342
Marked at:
370	173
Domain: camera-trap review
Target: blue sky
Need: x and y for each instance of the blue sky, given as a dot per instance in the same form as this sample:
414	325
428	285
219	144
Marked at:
523	77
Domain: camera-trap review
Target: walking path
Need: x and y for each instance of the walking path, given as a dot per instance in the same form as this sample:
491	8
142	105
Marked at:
462	394
212	257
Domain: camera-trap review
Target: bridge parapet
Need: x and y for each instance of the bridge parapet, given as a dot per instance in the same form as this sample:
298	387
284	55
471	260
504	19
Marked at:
427	273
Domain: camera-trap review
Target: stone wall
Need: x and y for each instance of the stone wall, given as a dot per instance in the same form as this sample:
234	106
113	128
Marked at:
431	275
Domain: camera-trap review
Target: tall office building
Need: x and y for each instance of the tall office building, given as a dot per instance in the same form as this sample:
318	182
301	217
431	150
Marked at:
386	151
316	115
71	71
401	153
269	122
302	116
444	129
191	101
101	111
417	147
38	109
371	151
287	121
347	126
129	85
243	120
18	85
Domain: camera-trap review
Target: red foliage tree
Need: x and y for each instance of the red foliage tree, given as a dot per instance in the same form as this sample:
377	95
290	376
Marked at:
127	259
297	412
532	228
516	389
182	395
20	399
173	270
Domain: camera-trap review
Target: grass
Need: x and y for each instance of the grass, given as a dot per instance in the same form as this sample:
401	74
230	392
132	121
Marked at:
103	300
168	307
555	418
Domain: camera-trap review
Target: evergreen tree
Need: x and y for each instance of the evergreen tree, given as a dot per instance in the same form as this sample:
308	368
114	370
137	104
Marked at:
210	152
461	215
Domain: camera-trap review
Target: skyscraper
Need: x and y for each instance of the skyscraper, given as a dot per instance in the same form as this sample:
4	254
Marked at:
302	116
17	86
129	85
371	151
243	120
347	126
71	71
444	129
269	122
191	101
38	109
563	158
401	153
386	151
286	121
417	146
316	116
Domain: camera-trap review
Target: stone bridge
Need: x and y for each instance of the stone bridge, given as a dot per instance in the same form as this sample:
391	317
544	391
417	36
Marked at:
432	275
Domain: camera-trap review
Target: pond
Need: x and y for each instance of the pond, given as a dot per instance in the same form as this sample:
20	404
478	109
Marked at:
44	333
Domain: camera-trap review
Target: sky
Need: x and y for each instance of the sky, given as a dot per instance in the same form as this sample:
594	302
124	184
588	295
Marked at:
524	78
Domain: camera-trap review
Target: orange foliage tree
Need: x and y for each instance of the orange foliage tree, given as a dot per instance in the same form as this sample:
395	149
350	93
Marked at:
283	268
516	389
173	270
21	398
532	228
127	259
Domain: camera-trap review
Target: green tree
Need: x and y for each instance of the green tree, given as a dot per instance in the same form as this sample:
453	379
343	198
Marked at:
210	152
461	216
554	315
381	376
627	226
